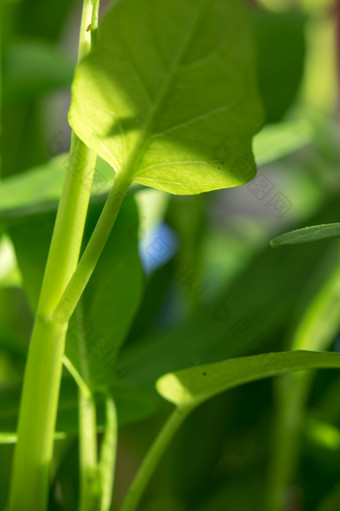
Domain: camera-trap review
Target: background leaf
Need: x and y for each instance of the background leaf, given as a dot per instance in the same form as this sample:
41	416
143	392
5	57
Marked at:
307	235
33	68
281	48
229	325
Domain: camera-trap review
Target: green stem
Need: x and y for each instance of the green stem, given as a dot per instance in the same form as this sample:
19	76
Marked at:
38	409
151	460
96	479
108	454
94	21
89	488
91	255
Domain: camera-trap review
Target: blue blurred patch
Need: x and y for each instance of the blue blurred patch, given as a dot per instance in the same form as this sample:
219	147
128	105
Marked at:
157	247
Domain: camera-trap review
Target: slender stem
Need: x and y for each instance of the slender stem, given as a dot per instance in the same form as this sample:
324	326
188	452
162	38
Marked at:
292	391
88	25
83	387
37	416
91	255
89	484
315	332
96	479
151	460
94	21
108	454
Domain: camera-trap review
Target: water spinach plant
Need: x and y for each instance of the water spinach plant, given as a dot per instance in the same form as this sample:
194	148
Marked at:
164	97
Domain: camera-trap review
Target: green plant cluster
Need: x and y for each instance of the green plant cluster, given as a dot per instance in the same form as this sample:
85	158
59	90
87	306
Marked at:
142	319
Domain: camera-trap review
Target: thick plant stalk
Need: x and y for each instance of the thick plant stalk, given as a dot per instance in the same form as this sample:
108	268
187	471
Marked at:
38	409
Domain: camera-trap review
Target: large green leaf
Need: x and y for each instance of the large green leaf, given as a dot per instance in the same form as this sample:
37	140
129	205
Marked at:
169	94
307	235
190	387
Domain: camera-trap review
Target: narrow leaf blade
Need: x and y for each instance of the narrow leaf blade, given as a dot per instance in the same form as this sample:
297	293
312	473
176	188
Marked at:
190	387
307	235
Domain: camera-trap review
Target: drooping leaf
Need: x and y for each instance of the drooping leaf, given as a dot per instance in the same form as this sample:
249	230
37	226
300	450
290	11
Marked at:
307	235
168	95
190	387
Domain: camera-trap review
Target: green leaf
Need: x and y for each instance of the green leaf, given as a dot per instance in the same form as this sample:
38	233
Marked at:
132	405
169	96
190	387
307	235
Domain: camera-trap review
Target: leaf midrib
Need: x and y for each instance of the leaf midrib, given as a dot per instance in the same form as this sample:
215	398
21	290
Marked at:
145	135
